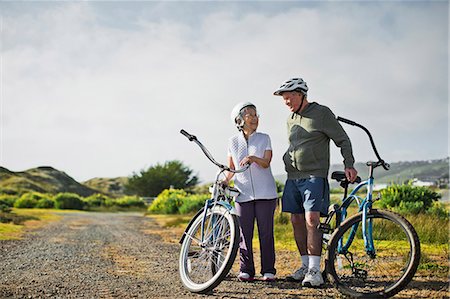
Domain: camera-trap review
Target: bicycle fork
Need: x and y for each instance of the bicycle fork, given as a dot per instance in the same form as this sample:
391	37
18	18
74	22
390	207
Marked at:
367	222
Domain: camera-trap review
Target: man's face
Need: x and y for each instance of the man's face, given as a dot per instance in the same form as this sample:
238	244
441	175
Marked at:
292	99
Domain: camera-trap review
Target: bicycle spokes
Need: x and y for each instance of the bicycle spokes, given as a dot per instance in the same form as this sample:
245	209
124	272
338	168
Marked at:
357	270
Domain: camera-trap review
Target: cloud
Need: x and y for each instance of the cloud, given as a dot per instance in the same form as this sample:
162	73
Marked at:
104	92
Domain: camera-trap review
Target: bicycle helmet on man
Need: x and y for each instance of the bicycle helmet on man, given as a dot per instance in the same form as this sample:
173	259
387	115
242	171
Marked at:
294	84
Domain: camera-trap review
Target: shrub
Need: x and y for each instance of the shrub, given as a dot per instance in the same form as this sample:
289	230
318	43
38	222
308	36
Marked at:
68	201
109	202
168	201
28	200
193	203
45	203
129	202
96	200
280	186
439	210
8	200
408	199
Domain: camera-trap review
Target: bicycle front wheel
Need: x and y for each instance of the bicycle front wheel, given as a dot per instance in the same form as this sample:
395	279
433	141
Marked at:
204	263
380	273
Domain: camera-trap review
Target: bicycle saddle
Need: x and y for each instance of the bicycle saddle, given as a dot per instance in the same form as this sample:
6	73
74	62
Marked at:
340	177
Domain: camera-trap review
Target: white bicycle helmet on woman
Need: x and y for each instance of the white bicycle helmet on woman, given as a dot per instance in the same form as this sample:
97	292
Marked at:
296	84
236	116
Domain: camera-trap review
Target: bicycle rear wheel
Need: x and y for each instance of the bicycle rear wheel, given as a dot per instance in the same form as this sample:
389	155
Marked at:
383	273
203	265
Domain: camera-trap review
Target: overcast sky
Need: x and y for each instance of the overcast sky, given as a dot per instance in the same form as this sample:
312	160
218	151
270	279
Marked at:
102	89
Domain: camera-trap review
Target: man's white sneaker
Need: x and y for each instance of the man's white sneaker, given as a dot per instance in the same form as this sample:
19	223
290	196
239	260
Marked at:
298	275
313	278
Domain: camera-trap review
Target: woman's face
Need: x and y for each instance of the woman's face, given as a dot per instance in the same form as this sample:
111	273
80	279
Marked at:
251	119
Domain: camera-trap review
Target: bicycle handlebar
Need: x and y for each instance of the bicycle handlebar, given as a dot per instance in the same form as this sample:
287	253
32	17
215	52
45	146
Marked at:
381	162
189	136
210	157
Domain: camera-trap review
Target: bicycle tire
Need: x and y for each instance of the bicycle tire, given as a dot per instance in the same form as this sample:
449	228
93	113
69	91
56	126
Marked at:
202	267
395	262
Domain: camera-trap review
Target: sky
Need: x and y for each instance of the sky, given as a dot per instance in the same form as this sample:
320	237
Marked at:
102	89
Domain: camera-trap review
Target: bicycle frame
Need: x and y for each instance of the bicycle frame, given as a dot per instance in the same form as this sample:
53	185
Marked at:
219	193
365	205
215	200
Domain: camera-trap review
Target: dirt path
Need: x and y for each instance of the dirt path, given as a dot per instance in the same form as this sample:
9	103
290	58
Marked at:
113	255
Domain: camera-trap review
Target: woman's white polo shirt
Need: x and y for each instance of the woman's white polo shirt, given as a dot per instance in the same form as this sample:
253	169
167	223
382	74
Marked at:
256	182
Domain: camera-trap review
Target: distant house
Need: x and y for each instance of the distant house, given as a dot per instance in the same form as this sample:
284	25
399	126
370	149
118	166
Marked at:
419	183
379	187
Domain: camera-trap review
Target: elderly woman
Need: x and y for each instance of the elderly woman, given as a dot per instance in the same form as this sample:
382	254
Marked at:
257	199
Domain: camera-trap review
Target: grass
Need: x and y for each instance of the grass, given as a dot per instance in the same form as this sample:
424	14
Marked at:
10	231
171	221
26	219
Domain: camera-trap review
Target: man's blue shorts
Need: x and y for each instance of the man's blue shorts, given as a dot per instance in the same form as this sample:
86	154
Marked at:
310	195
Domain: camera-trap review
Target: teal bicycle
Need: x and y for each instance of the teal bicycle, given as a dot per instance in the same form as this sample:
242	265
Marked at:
210	242
374	253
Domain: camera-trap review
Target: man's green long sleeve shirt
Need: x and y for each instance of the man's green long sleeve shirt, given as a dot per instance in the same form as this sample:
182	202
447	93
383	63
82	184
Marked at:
309	134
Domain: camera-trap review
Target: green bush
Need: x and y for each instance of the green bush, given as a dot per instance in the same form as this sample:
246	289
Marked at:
129	202
408	198
25	203
45	203
28	200
439	210
280	186
193	203
68	201
96	200
8	200
168	202
110	202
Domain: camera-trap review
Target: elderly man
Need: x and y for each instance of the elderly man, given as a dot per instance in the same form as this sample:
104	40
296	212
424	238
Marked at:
307	161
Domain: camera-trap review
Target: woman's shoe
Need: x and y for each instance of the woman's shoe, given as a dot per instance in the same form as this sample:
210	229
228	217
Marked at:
268	277
245	277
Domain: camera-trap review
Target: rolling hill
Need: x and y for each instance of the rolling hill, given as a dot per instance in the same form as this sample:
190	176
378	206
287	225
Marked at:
114	187
43	179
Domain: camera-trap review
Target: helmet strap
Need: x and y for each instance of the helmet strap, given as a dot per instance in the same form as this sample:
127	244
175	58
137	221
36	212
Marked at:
240	123
301	105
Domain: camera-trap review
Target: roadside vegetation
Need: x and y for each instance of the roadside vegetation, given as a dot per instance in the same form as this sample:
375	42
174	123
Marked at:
69	201
34	209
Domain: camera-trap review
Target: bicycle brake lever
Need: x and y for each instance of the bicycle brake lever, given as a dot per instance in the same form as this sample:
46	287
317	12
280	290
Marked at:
385	165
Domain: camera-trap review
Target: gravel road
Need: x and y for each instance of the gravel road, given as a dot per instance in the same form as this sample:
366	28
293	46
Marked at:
113	255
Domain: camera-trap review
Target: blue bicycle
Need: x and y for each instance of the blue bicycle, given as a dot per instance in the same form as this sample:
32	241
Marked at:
374	253
210	242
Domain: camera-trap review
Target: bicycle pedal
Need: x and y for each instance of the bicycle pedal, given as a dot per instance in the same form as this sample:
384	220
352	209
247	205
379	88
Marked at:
324	228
